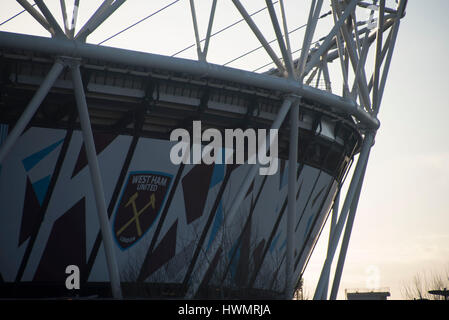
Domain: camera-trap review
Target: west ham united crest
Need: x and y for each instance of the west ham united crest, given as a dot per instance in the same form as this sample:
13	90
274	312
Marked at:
139	206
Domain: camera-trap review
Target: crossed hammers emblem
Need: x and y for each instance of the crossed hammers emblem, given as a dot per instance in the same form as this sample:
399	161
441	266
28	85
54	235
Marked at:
137	213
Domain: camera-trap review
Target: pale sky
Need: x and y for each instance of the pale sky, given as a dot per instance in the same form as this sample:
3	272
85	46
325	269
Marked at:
402	224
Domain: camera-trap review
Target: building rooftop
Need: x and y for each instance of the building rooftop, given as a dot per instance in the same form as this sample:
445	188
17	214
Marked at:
367	294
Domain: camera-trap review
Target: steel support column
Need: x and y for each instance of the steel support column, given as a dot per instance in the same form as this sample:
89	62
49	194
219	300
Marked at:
36	15
378	57
286	55
331	234
107	8
71	34
195	28
284	24
394	35
64	17
96	181
31	109
292	184
346	237
50	18
209	29
259	36
314	14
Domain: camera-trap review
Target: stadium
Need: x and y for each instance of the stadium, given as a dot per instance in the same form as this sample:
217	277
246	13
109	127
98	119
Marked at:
86	177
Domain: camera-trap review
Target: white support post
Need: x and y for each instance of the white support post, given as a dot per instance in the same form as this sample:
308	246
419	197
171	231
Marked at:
64	18
292	185
326	75
31	108
346	237
284	24
357	175
392	42
195	28
356	33
97	183
383	54
277	30
378	60
333	223
74	19
314	13
310	30
340	49
202	53
209	29
372	37
334	219
259	36
360	65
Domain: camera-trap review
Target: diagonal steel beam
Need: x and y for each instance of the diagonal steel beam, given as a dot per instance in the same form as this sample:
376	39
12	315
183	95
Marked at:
315	9
341	54
357	34
286	55
209	28
318	78
346	237
326	75
74	19
382	58
106	9
312	76
100	10
50	18
331	235
36	15
315	58
392	42
64	17
31	108
259	36
360	64
378	58
284	23
202	53
350	195
356	62
332	55
195	28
